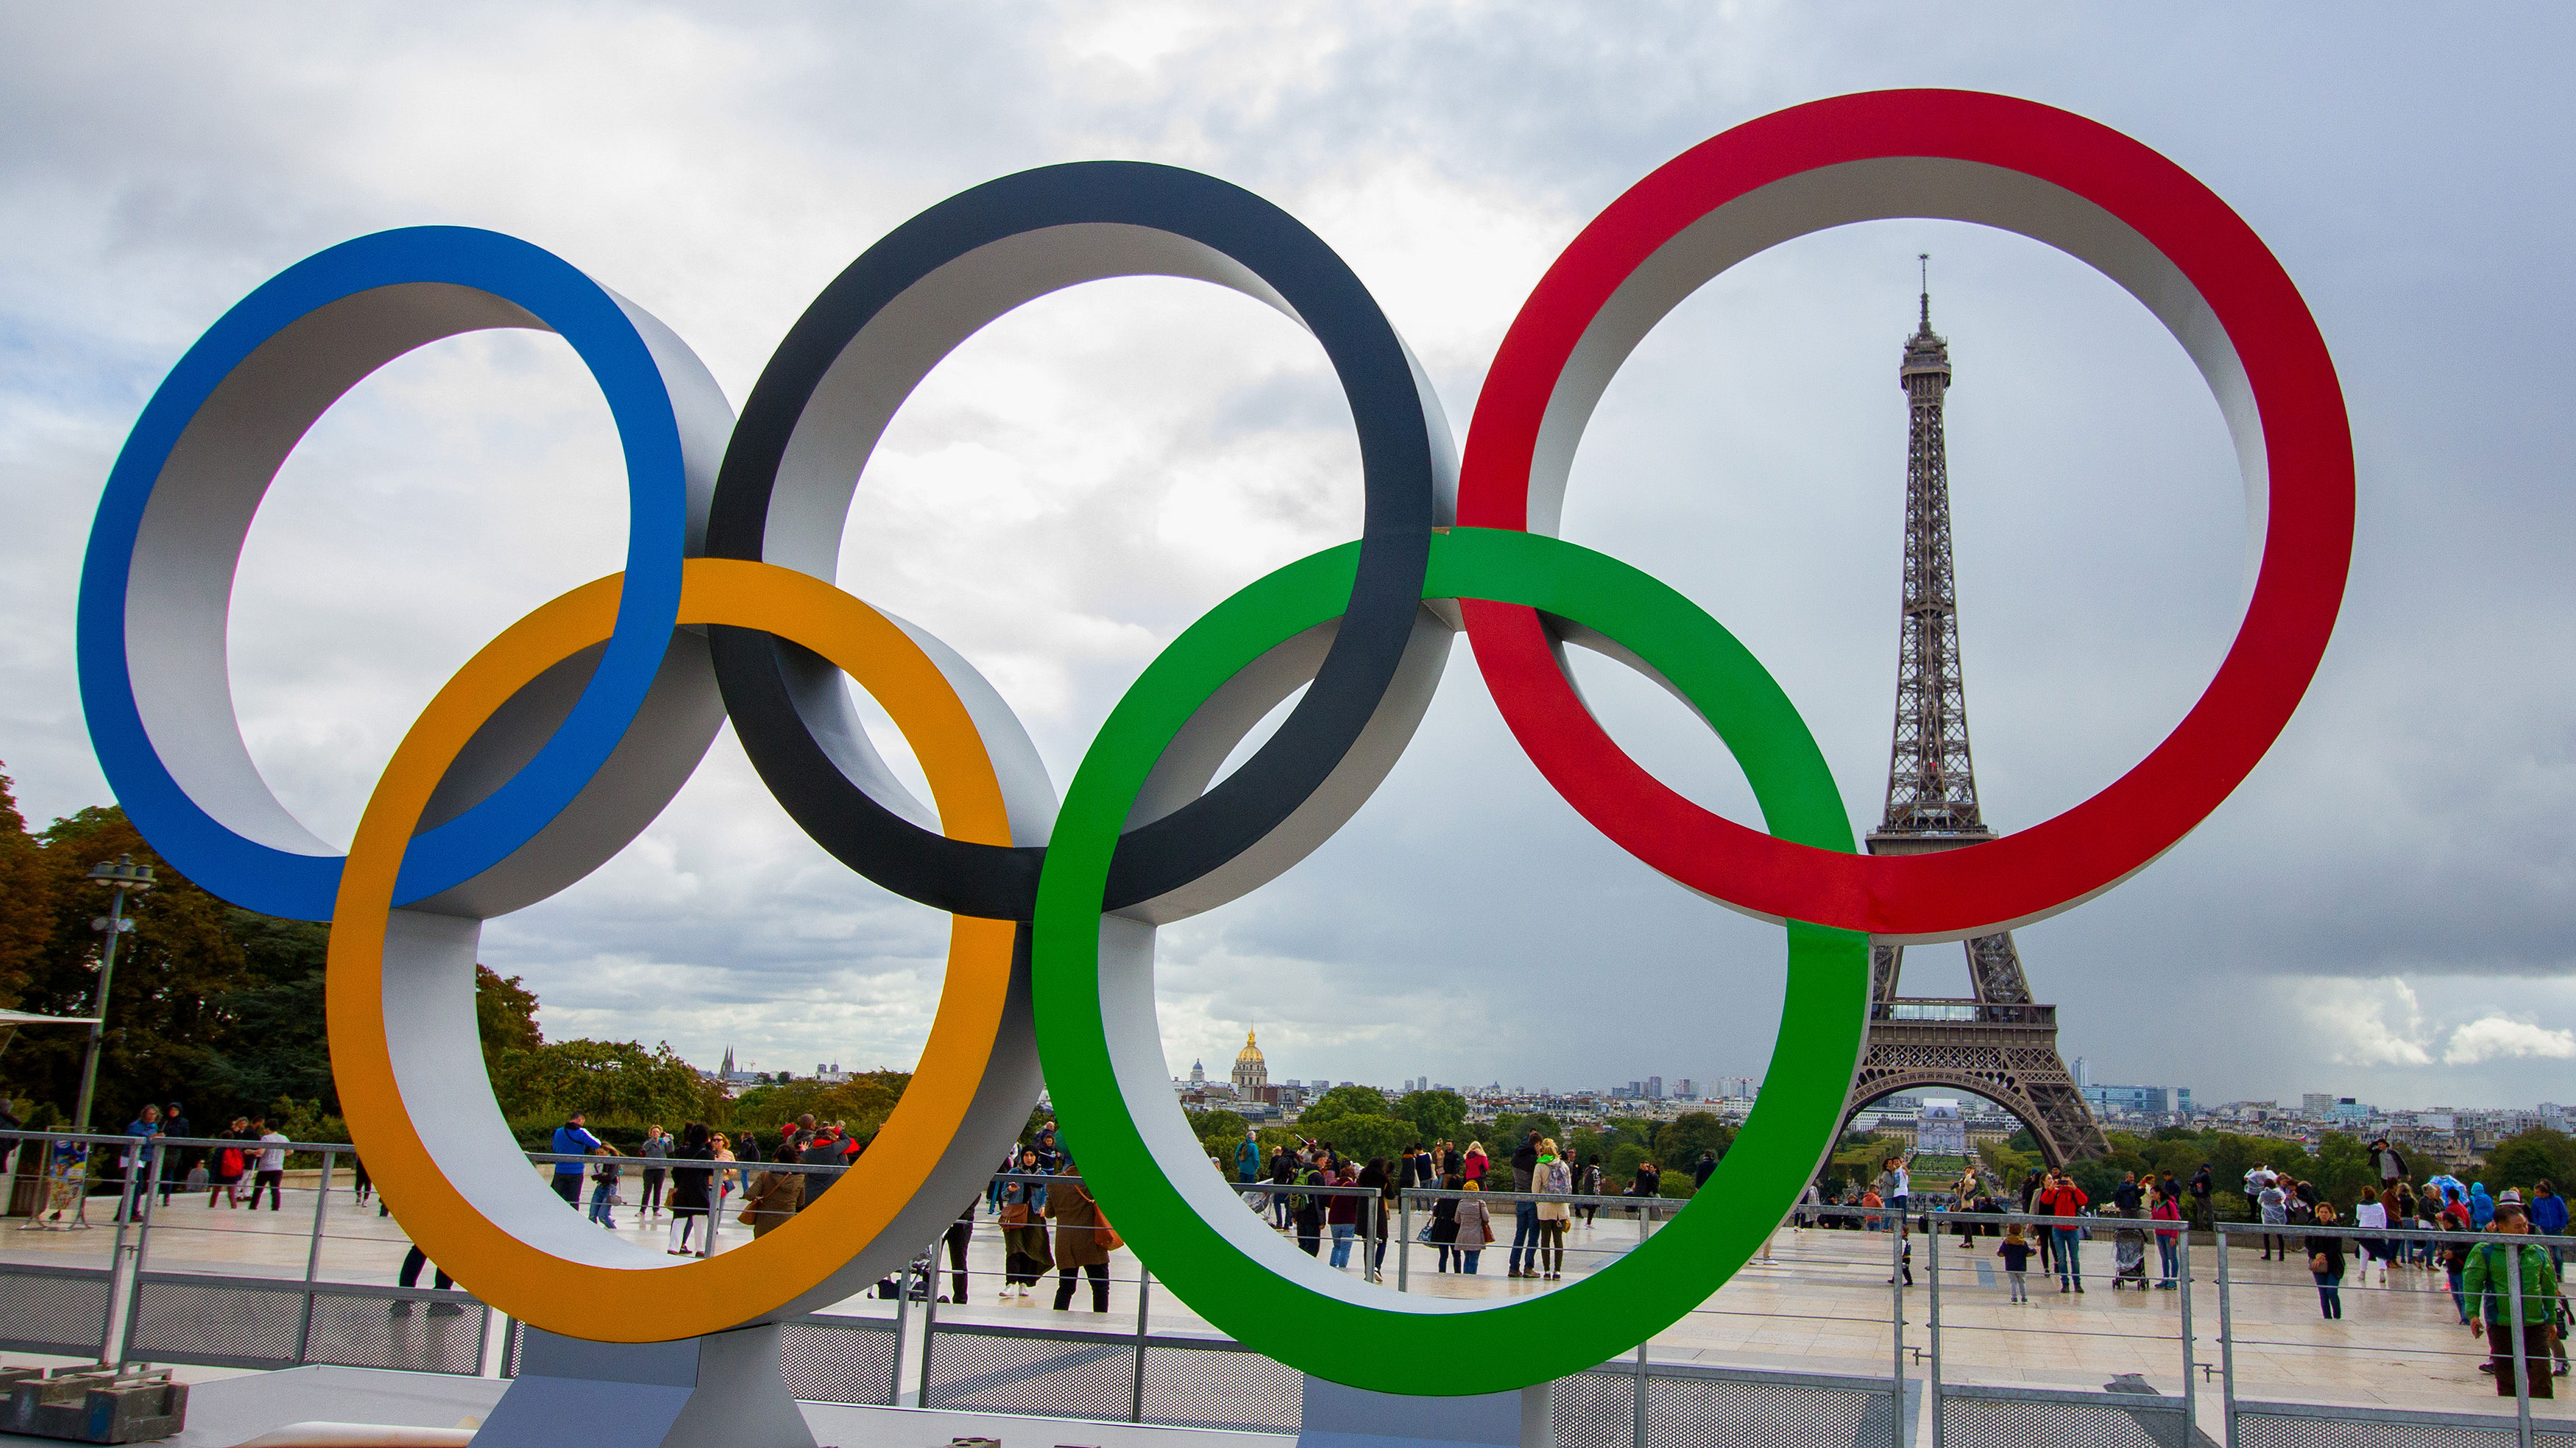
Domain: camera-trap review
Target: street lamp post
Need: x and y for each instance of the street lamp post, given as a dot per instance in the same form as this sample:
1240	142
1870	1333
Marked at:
124	875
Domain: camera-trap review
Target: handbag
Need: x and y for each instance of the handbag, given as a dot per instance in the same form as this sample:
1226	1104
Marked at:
748	1215
2317	1263
1015	1214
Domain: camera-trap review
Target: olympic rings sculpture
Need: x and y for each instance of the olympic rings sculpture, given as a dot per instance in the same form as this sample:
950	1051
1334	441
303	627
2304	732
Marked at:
562	739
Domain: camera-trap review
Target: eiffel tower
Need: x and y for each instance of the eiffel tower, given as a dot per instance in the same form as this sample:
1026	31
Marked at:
1998	1044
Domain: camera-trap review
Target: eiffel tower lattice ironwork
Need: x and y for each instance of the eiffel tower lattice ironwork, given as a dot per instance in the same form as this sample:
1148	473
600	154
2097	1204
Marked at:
1998	1044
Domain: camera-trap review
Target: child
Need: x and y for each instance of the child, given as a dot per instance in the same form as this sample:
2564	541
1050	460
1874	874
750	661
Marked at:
603	1191
2016	1254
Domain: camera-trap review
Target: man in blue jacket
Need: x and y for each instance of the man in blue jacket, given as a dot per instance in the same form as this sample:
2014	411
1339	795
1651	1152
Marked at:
572	1139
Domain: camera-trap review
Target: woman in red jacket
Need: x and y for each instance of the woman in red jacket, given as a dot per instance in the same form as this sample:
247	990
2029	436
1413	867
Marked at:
2064	1200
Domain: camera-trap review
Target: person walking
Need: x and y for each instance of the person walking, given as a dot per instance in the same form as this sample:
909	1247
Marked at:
1443	1234
1587	1182
1380	1225
227	1165
2203	1188
1342	1214
1247	1158
1307	1213
2274	1202
175	1160
271	1177
603	1187
135	1193
2016	1254
2032	1184
689	1186
728	1182
2548	1214
2065	1201
1083	1240
1524	1211
1475	1226
2325	1263
822	1148
572	1139
2164	1208
2482	1207
1283	1172
774	1195
2387	1164
1022	1213
960	1233
655	1150
1554	1177
1474	1164
2370	1214
2495	1272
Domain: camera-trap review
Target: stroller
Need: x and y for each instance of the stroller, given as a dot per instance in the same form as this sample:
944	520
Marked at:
2129	1247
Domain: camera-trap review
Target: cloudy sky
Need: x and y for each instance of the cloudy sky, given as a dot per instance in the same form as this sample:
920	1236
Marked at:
2384	910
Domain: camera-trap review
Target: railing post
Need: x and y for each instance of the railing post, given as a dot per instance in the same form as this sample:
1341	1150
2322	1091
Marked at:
2521	1366
1136	1392
929	1320
2226	1334
902	1314
1933	1256
2190	1402
122	1282
1639	1398
313	1257
1403	1236
1896	1332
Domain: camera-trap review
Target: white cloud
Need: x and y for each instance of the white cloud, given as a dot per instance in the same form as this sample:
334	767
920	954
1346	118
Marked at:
2352	1018
2491	1038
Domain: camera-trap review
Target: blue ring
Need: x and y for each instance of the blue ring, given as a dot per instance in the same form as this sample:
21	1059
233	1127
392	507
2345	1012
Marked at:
280	882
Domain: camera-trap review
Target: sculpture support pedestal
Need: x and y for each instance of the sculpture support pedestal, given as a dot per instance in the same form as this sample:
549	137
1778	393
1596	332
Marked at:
1334	1416
718	1391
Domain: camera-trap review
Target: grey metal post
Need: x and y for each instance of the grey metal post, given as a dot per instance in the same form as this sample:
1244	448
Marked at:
126	875
2226	1335
2521	1367
313	1256
1896	1333
1639	1403
902	1313
1404	1237
1136	1393
122	1282
929	1320
120	1333
715	1212
1939	1438
2190	1403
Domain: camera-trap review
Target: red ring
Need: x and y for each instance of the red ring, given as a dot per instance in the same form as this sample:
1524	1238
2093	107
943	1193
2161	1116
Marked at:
2307	546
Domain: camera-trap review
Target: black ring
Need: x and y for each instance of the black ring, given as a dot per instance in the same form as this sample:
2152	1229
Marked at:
1401	475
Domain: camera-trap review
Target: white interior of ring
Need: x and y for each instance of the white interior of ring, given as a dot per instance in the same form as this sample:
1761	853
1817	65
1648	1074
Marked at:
858	397
1886	189
1130	1020
188	548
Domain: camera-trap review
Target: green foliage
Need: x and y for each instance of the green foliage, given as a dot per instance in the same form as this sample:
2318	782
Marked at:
2008	1165
1681	1140
505	1016
1441	1115
2537	1155
615	1082
1620	1167
1345	1101
1360	1136
26	897
861	1104
1220	1134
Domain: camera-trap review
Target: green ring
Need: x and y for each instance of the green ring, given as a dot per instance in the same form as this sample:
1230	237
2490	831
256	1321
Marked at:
1342	1330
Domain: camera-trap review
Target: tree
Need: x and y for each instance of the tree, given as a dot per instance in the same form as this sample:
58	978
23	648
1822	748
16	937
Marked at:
277	1046
614	1081
1361	1136
26	897
1346	1101
1219	1132
505	1016
862	1103
2533	1156
1684	1137
1440	1115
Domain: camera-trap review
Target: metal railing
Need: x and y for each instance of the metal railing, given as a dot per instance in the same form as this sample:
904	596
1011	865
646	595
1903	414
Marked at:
912	1346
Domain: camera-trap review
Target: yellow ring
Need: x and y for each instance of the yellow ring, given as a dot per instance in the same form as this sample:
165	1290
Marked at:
654	1302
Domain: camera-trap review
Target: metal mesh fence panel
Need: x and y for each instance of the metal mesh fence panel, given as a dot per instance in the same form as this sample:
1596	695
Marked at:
1761	1411
1598	1409
405	1334
2372	1428
989	1370
847	1361
1205	1387
219	1322
53	1309
2034	1422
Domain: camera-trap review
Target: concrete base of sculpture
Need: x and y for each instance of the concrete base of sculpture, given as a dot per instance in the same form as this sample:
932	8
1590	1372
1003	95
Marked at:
718	1391
1333	1416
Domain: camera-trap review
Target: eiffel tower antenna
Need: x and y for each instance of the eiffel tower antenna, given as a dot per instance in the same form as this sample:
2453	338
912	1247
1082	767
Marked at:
1998	1044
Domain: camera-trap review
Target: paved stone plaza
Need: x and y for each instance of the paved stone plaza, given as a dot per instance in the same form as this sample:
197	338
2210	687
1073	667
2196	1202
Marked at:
1821	1305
